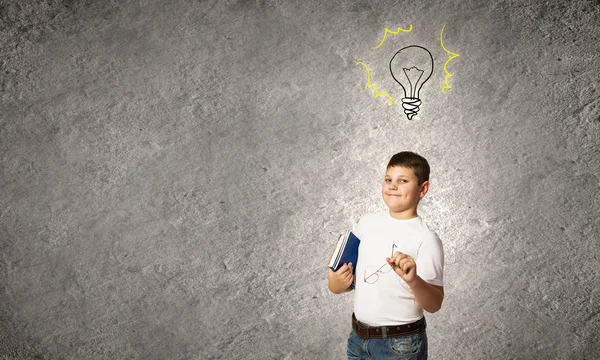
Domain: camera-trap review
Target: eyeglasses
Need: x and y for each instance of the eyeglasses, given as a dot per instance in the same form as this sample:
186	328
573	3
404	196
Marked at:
384	269
372	279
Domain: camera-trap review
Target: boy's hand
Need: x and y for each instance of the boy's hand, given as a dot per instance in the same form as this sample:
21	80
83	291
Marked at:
340	280
403	265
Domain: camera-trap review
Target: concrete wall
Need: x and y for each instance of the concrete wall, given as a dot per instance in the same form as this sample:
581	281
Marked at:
174	174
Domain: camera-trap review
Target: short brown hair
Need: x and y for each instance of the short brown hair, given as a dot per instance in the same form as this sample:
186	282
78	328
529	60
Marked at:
413	161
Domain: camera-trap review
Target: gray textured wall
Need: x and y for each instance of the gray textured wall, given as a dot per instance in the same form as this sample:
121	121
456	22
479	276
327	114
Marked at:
174	174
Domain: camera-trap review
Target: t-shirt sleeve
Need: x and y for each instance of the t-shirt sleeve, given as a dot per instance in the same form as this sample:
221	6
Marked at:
357	229
430	259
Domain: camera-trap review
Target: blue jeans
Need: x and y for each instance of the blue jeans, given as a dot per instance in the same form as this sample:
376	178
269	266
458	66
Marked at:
406	347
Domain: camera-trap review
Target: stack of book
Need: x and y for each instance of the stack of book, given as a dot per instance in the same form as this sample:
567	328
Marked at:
346	251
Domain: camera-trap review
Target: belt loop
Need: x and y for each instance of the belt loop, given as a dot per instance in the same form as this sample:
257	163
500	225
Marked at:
384	332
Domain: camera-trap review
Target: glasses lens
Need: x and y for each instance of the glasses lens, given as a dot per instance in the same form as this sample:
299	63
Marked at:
371	279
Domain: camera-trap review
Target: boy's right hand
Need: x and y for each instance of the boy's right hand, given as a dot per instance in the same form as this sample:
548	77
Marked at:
340	280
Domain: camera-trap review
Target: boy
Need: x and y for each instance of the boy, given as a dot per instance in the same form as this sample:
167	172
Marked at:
399	271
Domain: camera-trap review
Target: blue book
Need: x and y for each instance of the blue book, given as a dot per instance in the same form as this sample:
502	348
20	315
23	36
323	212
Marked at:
346	251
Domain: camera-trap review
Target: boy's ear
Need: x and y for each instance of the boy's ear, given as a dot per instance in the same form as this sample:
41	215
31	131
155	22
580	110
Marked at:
424	188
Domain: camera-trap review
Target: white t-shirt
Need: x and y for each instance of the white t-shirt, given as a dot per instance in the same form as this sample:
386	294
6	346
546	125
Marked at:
381	297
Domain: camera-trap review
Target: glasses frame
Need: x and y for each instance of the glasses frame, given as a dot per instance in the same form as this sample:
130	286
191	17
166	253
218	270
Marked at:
376	273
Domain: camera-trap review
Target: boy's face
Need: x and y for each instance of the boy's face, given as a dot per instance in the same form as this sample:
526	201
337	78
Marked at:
401	192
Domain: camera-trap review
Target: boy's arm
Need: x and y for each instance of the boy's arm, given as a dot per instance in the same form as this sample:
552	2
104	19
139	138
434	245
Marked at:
339	281
429	296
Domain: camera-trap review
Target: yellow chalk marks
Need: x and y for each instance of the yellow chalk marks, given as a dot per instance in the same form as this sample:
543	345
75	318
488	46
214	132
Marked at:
369	85
388	31
447	86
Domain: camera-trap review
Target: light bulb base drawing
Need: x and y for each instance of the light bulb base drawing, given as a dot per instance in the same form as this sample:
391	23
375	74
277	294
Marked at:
411	106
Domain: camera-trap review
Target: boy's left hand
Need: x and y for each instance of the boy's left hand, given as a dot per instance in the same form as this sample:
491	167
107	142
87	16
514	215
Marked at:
404	266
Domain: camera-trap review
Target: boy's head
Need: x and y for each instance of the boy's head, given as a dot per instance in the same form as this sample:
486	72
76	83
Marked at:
413	161
405	183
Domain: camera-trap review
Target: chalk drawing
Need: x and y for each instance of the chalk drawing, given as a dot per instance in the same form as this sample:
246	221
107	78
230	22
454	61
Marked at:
411	67
447	86
369	85
388	31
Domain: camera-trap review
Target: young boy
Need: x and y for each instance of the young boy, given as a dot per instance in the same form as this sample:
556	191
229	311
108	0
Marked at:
399	271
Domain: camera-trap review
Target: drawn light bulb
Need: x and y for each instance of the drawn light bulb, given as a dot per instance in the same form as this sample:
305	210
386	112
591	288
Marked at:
411	67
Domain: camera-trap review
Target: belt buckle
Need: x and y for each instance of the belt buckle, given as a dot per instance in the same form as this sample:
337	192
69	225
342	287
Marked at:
365	332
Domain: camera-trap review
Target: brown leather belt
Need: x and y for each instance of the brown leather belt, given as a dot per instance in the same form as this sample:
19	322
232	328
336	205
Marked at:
377	332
